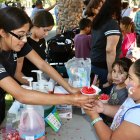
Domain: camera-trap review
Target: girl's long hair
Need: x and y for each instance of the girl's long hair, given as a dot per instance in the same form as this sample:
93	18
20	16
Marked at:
129	24
110	9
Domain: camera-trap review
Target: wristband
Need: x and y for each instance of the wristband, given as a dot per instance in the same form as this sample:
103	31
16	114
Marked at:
96	120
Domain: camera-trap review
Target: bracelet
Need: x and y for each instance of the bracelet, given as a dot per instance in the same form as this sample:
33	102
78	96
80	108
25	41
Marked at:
96	120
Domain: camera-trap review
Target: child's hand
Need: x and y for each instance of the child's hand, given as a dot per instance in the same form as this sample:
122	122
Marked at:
97	83
107	84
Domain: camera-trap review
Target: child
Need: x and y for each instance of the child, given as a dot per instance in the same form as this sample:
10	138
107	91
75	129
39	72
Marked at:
119	74
82	41
43	22
119	92
129	36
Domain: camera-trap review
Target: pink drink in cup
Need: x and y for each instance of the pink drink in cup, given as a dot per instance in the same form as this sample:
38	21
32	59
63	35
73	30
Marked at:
88	91
104	98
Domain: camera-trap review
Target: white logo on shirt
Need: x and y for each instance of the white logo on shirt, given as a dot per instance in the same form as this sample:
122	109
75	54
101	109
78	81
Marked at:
15	56
2	70
40	45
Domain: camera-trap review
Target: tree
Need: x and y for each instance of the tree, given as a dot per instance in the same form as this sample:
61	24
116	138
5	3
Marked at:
1	1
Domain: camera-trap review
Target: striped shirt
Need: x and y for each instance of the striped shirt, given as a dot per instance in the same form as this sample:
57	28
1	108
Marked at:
99	41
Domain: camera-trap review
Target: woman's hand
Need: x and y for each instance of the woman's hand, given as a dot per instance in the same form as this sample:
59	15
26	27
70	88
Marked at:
98	107
91	113
83	101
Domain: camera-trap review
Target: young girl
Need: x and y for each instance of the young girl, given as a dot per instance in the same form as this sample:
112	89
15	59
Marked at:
126	123
14	30
129	36
43	22
119	74
119	92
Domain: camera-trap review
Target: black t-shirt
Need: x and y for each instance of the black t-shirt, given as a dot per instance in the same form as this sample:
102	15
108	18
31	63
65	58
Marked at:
8	61
99	40
40	48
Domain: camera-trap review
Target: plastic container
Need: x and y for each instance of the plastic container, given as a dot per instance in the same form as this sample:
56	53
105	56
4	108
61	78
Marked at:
32	125
10	121
38	108
43	84
40	80
15	110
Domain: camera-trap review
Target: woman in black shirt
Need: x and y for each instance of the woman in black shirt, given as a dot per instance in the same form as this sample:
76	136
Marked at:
14	27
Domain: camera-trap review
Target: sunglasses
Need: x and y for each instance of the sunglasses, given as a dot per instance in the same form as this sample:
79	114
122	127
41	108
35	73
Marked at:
20	37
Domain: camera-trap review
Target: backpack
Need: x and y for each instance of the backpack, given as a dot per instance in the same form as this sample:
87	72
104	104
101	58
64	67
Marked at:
60	49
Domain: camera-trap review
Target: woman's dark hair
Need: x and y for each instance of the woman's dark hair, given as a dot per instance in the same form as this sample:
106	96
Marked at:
85	2
109	9
12	18
84	22
43	19
125	5
92	4
124	62
128	23
136	66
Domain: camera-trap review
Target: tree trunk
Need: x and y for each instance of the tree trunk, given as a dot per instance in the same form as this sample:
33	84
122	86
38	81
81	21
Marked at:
70	12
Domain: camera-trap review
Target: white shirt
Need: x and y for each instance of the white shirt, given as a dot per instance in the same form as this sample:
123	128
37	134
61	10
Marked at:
132	116
126	12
